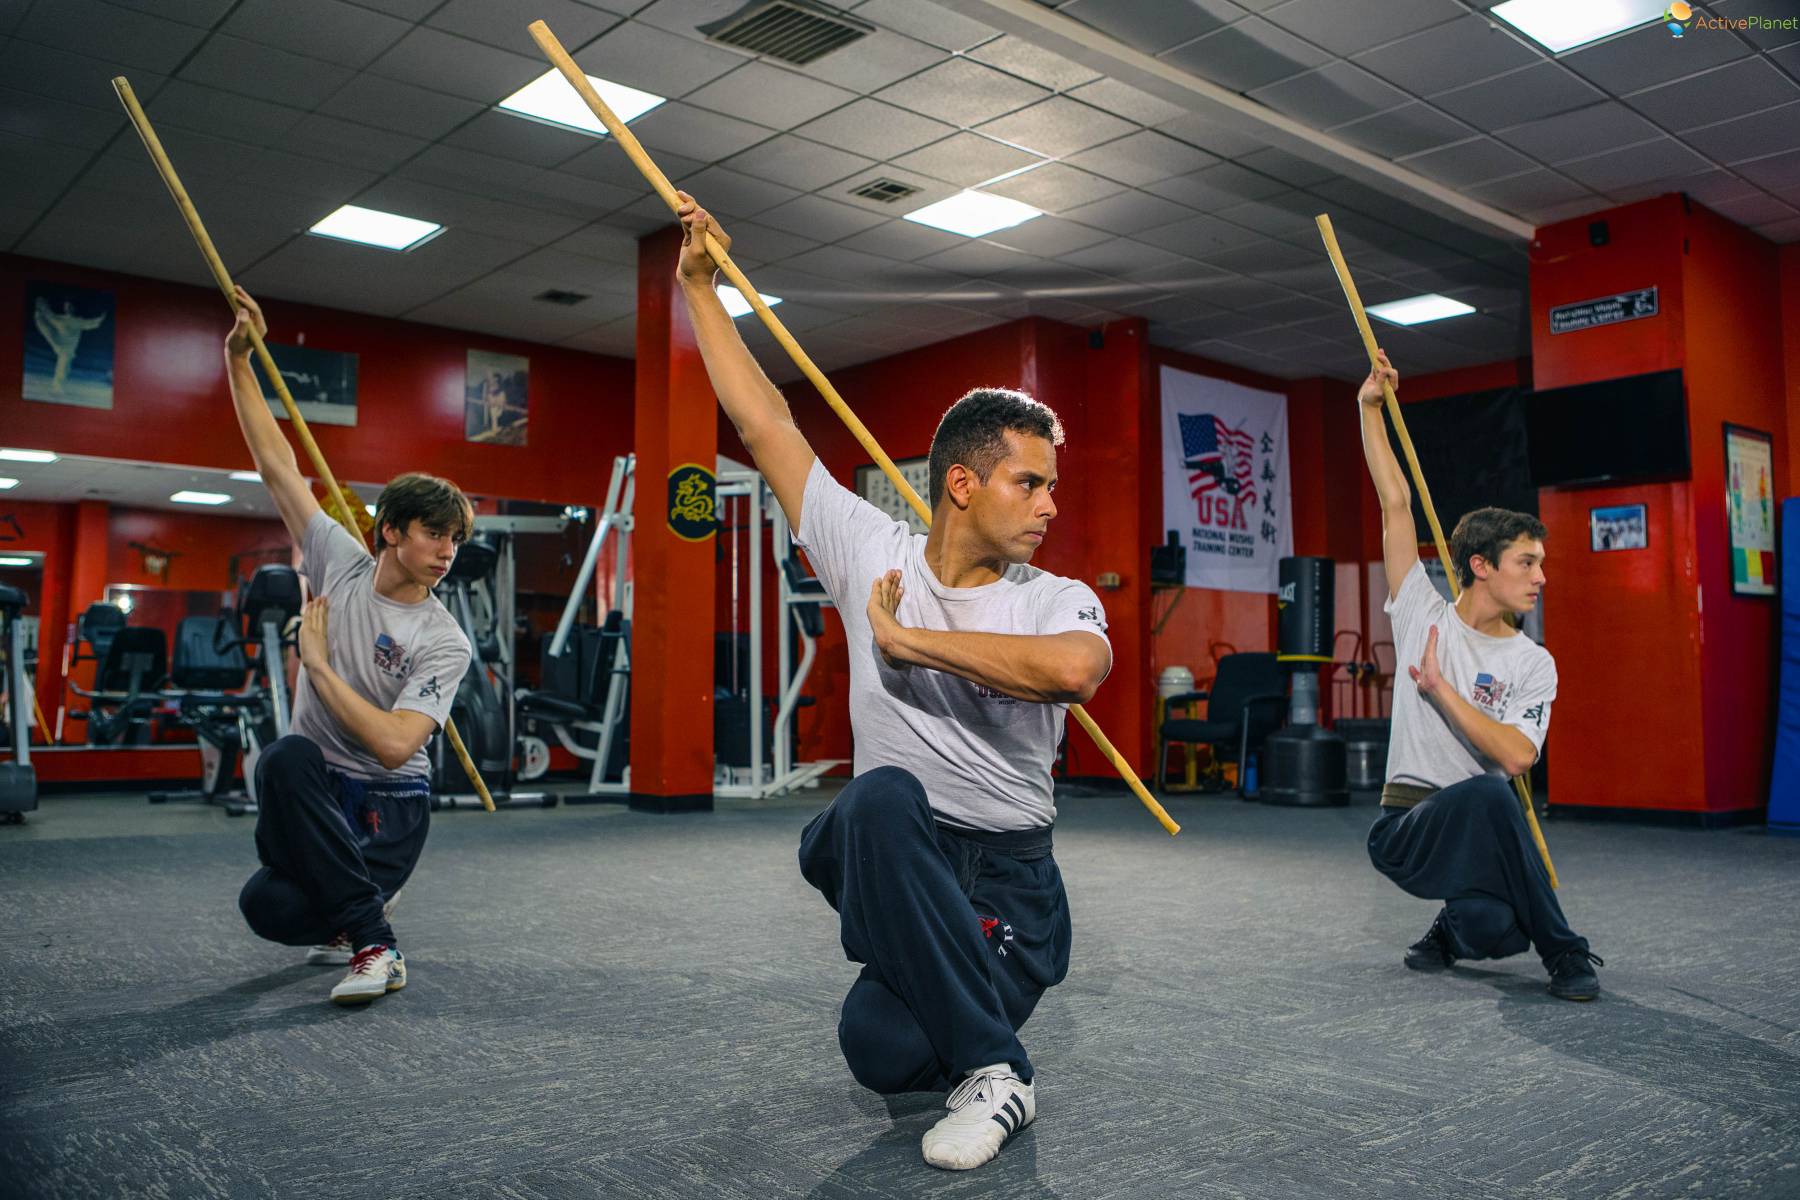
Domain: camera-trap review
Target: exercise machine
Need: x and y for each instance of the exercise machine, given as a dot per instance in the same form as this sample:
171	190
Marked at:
18	778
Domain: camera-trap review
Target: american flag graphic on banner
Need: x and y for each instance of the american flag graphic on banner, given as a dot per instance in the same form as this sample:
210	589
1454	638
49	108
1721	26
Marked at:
1216	455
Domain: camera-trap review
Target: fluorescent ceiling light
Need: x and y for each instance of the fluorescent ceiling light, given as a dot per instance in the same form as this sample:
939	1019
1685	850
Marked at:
735	304
371	227
36	456
7	483
187	497
1560	25
973	214
17	560
247	476
550	99
1419	309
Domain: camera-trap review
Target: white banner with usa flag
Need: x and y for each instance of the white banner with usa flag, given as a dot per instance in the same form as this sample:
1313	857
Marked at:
1225	480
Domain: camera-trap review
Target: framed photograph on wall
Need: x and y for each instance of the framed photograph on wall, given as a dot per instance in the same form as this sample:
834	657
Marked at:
1619	527
873	485
1750	504
68	345
322	383
496	398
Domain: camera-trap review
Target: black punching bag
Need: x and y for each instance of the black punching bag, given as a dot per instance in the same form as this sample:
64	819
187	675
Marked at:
1304	764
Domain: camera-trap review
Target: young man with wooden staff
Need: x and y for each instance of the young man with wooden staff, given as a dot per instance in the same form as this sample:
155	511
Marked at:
344	800
1470	712
937	855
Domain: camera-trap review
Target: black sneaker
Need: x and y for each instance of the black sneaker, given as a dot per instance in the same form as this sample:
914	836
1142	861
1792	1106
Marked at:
1572	974
1432	952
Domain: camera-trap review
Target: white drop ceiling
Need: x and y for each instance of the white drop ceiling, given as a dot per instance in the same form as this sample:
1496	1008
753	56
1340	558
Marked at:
1161	202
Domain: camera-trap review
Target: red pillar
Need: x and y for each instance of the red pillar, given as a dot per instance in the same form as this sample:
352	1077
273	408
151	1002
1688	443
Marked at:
672	625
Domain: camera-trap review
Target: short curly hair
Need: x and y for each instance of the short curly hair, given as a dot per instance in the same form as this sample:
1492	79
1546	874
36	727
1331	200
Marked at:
973	432
416	496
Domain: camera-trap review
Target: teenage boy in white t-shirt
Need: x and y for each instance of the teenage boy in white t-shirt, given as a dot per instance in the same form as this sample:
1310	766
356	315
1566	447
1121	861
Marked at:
963	660
1470	712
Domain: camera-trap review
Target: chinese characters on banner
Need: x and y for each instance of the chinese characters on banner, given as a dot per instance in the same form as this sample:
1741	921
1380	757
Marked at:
1225	480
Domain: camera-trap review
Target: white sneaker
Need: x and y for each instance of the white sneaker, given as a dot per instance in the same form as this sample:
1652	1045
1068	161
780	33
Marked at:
374	971
337	952
986	1110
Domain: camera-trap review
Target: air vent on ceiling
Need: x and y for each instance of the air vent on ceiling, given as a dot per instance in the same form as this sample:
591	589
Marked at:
884	191
566	299
794	31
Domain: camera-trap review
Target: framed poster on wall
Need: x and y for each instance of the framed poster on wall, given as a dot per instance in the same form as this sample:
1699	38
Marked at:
1750	505
873	485
1619	527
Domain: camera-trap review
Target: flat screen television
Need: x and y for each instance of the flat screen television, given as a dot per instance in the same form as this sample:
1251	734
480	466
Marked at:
1631	430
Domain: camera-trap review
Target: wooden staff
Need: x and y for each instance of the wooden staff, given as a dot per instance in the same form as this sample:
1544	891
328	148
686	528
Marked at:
1520	784
559	57
222	277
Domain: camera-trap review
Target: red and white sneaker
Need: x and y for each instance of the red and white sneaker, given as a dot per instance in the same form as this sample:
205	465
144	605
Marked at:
374	971
337	952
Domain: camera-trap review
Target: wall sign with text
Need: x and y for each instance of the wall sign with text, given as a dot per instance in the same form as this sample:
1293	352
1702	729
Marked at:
1607	310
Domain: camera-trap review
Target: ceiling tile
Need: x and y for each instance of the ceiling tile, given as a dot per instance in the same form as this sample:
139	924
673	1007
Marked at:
1057	126
504	135
1198	236
929	190
1289	168
1447	56
797	162
966	159
400	107
1028	61
1530	189
733	193
328	138
1591	130
762	243
183	105
1474	161
1123	100
1542	89
1409	129
1142	157
1128	213
1335	93
1210	135
977	256
962	93
929	23
817	217
45	117
439	61
1756	136
202	13
1055	187
1150	25
874	62
1662	159
96	30
603	162
1735	90
1247	55
770	96
1781	232
264	72
36	171
1049	237
875	129
1346	29
642	56
1760	209
1649	56
695	133
904	240
502	23
1779	173
324	29
1280	215
479	214
1216	187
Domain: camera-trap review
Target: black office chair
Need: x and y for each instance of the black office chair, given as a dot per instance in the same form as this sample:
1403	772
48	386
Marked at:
1246	703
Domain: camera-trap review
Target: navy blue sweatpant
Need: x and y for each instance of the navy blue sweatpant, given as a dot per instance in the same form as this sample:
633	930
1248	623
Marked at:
959	933
1468	845
333	848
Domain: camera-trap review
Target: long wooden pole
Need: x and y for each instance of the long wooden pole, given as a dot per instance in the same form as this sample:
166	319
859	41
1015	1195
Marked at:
559	57
1520	784
222	277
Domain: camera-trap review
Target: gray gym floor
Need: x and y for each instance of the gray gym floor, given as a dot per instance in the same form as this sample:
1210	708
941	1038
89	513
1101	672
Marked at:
609	1004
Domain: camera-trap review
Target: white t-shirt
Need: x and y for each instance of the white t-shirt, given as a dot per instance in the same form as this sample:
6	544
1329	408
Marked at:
393	655
1511	679
983	757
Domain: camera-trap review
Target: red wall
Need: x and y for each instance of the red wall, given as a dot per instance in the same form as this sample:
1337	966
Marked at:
1790	325
1695	737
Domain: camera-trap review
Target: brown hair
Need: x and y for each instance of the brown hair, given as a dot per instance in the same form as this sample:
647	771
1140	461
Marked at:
1488	532
416	496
